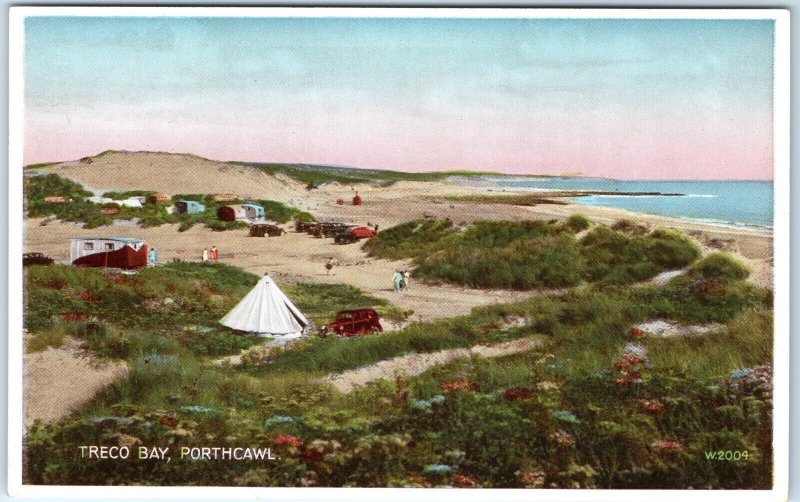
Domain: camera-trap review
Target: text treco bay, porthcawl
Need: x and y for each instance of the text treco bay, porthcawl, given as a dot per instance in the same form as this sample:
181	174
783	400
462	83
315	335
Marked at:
184	452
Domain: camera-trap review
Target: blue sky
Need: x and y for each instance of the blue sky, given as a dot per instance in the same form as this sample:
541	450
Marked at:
408	93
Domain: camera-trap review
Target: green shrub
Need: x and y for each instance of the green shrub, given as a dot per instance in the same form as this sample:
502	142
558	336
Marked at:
721	266
410	240
52	337
531	254
128	194
617	258
214	344
629	227
321	302
671	249
743	342
577	223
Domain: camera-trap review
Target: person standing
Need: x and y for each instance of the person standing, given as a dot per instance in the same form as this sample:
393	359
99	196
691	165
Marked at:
205	254
398	281
406	279
214	254
153	257
329	266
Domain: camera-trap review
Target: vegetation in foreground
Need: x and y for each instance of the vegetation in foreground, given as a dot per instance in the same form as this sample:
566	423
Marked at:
593	407
92	215
532	254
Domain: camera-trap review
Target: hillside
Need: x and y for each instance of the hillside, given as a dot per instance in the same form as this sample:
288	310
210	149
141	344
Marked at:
176	173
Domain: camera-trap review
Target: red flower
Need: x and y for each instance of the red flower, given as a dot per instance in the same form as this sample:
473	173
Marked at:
286	440
311	454
458	384
168	421
417	480
636	332
518	393
655	408
464	481
631	359
88	297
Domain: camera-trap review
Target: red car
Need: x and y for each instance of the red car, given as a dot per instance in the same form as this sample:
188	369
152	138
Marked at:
353	323
350	235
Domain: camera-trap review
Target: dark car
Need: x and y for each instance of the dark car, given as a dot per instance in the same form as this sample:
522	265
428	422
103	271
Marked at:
35	259
354	323
330	229
303	226
266	229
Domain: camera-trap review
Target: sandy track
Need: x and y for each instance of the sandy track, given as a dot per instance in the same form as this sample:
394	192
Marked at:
415	364
57	381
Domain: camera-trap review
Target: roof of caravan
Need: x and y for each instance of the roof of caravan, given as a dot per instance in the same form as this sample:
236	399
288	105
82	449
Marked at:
127	240
252	204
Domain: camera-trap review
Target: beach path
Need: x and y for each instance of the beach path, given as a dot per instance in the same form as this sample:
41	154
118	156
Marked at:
415	364
57	381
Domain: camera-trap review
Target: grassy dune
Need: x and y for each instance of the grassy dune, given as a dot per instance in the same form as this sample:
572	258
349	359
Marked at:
532	254
574	413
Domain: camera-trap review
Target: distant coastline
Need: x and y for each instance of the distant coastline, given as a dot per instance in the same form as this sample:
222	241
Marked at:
737	204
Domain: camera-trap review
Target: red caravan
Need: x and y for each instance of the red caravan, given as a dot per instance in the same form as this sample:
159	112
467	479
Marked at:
112	252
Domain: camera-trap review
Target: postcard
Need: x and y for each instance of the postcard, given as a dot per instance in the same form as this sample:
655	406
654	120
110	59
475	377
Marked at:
406	253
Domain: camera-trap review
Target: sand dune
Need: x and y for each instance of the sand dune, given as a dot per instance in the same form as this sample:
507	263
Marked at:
300	258
177	173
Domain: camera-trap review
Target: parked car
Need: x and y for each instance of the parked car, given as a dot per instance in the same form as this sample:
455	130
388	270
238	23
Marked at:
353	234
266	229
330	229
353	323
303	226
35	259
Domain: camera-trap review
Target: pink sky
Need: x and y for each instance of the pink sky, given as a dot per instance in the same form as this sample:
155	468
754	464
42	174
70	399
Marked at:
598	144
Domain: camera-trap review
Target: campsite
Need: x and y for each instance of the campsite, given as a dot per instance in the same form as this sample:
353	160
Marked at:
493	369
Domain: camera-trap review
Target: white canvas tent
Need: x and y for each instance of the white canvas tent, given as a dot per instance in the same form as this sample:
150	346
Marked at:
265	310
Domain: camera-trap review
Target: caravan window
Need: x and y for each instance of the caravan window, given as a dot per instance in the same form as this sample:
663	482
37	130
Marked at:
88	246
109	246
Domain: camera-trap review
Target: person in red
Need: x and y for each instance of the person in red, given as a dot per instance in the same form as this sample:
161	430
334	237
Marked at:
214	253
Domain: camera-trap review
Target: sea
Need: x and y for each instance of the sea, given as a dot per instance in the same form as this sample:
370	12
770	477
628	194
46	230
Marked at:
739	204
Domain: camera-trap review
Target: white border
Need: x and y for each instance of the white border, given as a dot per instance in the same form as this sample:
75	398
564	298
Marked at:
781	257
